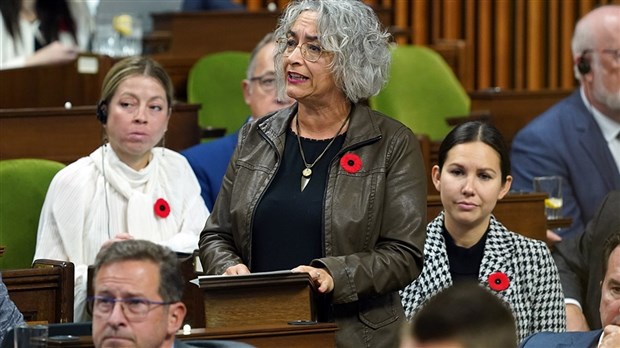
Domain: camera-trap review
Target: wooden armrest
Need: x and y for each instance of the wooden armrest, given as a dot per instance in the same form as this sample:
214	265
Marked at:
212	132
44	263
563	222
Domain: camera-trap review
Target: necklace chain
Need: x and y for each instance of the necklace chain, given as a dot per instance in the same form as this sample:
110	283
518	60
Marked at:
306	173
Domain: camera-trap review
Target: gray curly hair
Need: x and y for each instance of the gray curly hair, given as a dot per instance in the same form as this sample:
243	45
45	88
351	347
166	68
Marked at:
351	31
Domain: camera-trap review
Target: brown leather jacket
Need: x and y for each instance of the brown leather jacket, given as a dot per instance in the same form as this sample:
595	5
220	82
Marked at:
373	223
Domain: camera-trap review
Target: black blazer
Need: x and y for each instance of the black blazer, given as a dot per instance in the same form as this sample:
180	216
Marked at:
580	260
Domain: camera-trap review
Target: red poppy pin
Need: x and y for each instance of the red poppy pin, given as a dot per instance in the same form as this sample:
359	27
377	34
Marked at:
351	162
162	208
498	281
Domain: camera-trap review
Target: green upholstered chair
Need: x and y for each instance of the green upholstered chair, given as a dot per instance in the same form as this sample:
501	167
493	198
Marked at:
422	92
215	82
23	186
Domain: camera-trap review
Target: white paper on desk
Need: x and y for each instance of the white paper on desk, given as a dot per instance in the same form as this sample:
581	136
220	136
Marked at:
196	281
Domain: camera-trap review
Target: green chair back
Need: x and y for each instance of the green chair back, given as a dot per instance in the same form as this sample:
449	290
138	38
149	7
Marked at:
422	92
215	82
23	186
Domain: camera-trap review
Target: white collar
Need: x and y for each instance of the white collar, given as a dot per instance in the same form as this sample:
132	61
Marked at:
609	127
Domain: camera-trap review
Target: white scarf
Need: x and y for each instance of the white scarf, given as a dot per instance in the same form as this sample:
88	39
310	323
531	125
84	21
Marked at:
141	191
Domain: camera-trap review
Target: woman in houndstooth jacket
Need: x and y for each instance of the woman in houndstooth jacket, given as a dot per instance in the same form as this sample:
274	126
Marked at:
466	243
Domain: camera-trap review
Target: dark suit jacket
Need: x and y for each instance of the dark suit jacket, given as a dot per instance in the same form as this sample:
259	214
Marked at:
209	161
566	141
580	262
588	339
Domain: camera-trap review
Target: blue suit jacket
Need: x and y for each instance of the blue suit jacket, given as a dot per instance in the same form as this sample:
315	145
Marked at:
566	141
209	162
586	339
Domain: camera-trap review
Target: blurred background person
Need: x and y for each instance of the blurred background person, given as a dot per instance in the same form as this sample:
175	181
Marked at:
10	316
209	160
578	139
609	307
465	315
580	266
35	32
466	243
127	188
327	183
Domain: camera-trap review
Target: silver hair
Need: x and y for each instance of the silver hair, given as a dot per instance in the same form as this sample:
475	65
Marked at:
351	31
267	39
587	34
583	38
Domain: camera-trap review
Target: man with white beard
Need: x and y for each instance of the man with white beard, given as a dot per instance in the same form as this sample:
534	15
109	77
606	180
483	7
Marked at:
578	139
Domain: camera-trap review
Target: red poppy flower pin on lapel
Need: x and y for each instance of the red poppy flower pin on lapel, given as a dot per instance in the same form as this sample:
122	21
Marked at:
498	281
162	208
351	163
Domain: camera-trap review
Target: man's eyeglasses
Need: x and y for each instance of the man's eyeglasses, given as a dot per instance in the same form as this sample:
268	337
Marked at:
615	53
309	51
267	81
134	308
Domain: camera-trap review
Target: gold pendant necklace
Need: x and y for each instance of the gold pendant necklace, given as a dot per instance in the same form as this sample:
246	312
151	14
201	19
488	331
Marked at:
306	173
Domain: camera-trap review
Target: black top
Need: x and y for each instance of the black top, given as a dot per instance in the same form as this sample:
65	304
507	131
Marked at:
288	224
464	262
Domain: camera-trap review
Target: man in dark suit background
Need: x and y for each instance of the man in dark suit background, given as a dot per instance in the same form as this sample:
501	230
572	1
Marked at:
579	138
580	267
609	307
209	160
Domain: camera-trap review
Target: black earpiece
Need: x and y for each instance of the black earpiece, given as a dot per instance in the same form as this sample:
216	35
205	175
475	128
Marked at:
583	65
102	111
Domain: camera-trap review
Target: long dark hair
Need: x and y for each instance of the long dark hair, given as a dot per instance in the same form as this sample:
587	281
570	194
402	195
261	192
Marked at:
54	16
10	14
476	131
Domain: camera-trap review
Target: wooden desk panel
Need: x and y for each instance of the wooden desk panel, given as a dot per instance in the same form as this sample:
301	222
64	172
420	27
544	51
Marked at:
512	110
263	336
53	85
66	135
520	213
44	292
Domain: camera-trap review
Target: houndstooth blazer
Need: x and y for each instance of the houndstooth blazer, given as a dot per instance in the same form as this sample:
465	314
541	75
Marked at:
534	293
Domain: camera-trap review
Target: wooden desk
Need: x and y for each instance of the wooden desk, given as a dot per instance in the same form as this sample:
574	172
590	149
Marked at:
521	213
53	85
512	110
63	135
42	293
267	336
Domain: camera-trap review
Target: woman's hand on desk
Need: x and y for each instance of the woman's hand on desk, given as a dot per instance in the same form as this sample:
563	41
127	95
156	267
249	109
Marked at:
237	269
320	276
53	53
119	237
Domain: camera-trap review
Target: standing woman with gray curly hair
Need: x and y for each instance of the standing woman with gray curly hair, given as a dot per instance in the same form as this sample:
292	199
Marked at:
327	186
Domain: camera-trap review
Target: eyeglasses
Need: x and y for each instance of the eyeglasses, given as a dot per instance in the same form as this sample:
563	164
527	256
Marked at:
614	53
310	52
266	81
134	308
